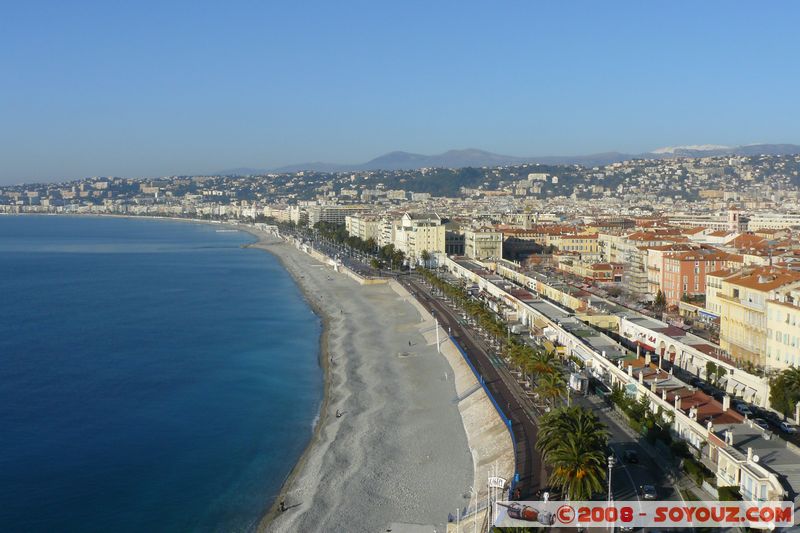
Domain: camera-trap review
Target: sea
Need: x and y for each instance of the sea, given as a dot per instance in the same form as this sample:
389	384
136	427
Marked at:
154	376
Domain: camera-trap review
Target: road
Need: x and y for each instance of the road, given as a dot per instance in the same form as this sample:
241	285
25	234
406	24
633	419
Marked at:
627	477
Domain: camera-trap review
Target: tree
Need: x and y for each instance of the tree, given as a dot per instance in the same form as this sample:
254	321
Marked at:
397	259
551	388
711	372
784	390
374	263
542	363
660	303
573	441
426	256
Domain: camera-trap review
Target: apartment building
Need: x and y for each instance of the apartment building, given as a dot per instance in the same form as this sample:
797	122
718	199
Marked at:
364	226
783	330
759	221
418	232
741	300
483	243
684	273
333	214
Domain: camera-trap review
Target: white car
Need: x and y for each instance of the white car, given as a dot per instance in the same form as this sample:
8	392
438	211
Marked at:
786	427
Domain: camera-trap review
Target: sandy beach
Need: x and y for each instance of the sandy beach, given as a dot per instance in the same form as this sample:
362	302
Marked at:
399	455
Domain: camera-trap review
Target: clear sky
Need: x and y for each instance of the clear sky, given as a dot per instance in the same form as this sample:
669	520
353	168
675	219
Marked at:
143	88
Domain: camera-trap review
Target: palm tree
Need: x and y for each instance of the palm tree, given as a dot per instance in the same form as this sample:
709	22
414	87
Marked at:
426	256
577	469
791	379
542	363
551	387
573	442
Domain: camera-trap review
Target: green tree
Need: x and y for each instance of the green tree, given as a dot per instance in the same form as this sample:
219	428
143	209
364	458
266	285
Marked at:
711	371
542	362
573	443
660	303
425	256
784	390
551	388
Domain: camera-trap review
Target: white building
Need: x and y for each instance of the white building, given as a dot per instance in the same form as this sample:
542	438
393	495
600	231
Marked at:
418	232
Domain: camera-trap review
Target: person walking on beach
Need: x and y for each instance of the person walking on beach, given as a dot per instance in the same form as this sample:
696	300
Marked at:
283	505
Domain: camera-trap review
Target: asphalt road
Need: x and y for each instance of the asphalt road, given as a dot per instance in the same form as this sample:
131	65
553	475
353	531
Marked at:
627	477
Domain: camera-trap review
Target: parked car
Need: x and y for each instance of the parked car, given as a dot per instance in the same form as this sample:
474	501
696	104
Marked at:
648	492
743	409
760	422
630	456
786	427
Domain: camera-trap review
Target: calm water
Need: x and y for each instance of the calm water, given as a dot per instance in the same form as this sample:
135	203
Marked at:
154	376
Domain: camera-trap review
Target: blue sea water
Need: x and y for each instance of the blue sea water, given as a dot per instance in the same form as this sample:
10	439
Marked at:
154	376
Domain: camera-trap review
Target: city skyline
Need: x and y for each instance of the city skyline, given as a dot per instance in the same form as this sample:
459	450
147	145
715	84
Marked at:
185	89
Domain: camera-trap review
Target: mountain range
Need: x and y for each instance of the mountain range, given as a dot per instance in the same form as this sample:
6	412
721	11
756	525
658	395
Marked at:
479	158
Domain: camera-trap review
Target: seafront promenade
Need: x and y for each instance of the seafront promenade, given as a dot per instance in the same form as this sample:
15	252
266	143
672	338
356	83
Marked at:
399	454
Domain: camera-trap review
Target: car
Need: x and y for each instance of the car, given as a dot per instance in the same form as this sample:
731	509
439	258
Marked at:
760	422
786	427
630	456
648	492
743	409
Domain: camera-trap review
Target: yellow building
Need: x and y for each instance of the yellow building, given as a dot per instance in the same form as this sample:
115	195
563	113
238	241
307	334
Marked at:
741	300
483	243
418	232
783	330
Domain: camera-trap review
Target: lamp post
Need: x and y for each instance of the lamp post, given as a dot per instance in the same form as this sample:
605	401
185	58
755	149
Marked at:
610	497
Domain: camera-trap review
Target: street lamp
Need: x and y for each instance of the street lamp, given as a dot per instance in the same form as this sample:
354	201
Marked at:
611	462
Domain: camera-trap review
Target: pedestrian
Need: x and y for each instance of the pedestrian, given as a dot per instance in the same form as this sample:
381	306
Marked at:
283	505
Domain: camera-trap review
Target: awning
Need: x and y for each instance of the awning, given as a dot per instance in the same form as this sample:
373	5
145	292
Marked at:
646	346
707	314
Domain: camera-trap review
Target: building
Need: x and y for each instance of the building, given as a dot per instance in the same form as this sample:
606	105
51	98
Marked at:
741	300
483	243
333	214
683	274
783	330
415	233
364	226
759	221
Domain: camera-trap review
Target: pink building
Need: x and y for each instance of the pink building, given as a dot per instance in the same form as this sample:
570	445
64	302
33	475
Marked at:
684	273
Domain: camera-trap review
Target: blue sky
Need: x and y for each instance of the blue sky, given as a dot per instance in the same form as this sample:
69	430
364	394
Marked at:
160	88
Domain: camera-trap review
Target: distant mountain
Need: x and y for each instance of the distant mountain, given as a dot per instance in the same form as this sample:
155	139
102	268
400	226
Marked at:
709	150
479	158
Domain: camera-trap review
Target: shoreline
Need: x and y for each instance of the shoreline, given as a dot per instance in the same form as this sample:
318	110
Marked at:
333	452
264	245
